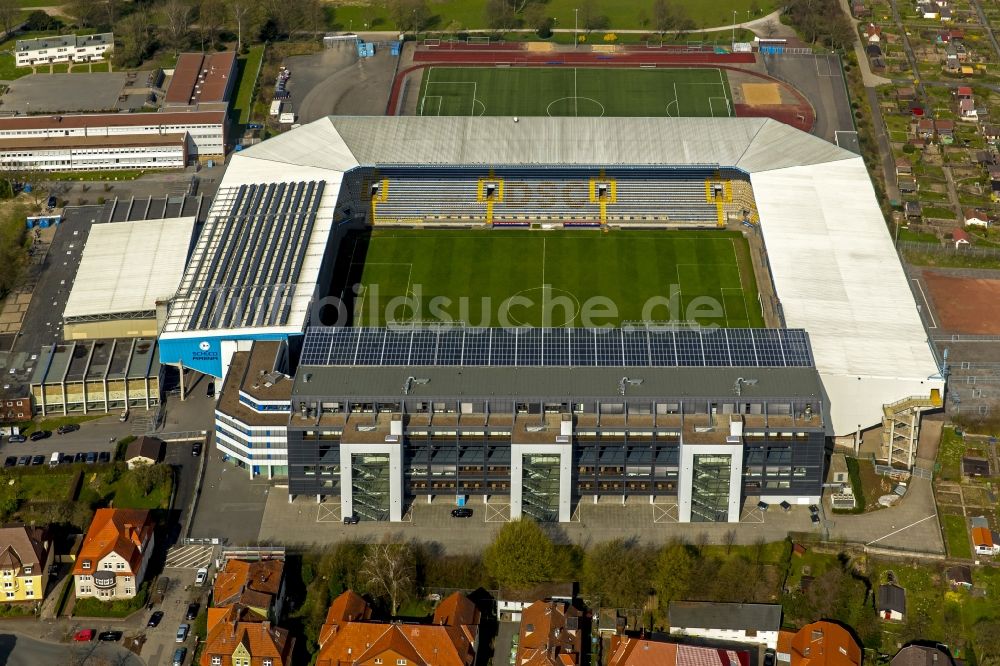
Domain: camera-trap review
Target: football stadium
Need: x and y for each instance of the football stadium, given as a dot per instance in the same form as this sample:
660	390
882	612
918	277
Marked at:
535	312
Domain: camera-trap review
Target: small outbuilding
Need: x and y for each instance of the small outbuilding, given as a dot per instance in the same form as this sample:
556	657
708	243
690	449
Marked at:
143	451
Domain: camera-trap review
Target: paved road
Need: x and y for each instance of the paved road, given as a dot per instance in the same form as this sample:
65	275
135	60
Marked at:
867	76
19	650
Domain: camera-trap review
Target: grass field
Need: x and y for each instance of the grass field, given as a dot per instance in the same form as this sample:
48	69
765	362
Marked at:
457	15
559	278
502	91
956	536
249	66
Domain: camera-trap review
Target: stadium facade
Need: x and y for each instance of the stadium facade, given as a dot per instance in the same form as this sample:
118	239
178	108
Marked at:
266	255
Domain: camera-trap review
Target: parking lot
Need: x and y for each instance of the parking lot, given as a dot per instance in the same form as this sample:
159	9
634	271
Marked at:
230	505
161	641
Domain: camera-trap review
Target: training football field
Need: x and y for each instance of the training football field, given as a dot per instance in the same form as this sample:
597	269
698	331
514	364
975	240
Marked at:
581	91
551	278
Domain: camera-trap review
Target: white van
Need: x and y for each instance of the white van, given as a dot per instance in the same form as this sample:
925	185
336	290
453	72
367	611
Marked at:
54	459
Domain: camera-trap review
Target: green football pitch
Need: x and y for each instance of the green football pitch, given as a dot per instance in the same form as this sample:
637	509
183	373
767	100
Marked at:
583	91
550	278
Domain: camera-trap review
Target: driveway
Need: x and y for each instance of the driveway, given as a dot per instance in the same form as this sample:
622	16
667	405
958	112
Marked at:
161	641
910	525
230	505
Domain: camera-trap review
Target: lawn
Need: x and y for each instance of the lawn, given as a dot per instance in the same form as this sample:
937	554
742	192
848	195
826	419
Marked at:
552	278
91	607
956	536
455	15
53	423
8	72
949	458
249	66
114	485
547	91
36	483
99	67
917	236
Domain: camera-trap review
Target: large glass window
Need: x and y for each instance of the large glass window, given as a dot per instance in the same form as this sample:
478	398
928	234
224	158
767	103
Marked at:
710	488
370	486
540	487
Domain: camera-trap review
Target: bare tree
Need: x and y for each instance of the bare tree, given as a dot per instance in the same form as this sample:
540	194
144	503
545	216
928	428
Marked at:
388	570
211	18
10	12
728	539
177	21
242	11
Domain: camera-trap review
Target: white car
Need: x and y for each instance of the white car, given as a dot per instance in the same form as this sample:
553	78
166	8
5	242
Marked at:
201	576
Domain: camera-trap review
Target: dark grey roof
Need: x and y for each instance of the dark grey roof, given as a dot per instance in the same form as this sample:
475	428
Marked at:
800	383
961	573
921	655
710	615
892	597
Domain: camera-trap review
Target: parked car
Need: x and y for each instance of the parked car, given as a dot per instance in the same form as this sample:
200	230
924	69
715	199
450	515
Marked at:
17	439
84	635
813	508
40	435
154	619
351	520
23	460
67	459
52	202
91	457
210	391
814	518
200	577
124	416
80	457
182	633
461	513
769	658
110	636
38	460
180	654
104	457
196	449
10	461
68	428
192	611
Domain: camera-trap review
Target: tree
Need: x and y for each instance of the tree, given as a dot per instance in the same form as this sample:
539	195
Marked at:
242	11
409	15
13	257
39	21
388	571
672	574
591	18
10	12
986	639
520	555
663	16
147	477
729	540
177	22
500	15
136	37
616	572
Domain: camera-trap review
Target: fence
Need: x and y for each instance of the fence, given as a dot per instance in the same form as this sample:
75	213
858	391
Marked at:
949	249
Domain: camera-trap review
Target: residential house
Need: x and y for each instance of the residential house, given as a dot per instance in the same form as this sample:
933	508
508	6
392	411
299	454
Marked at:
907	184
820	643
959	576
62	48
990	132
743	623
928	10
114	555
975	467
945	131
951	61
511	603
963	92
873	33
945	14
260	586
903	167
985	541
925	128
921	655
961	238
550	635
967	109
912	209
25	554
891	602
143	451
232	642
632	651
859	9
351	637
975	218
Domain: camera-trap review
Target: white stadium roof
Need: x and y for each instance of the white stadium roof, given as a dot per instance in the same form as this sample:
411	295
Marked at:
835	270
126	267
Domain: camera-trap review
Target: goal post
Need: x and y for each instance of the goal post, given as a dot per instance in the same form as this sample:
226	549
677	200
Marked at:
478	41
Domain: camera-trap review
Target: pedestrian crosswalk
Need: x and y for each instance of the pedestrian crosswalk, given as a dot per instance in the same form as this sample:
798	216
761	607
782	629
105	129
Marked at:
190	557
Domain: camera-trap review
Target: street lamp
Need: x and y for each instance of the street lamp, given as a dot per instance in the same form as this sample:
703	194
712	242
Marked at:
576	27
734	26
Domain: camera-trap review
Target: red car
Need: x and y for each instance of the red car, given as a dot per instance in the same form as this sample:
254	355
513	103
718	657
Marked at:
84	635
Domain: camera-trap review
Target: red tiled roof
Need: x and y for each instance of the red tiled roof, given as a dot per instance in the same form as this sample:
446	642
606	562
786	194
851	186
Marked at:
261	640
549	630
124	531
824	644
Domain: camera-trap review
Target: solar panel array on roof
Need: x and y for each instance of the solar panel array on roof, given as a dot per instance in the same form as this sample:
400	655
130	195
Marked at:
557	347
250	255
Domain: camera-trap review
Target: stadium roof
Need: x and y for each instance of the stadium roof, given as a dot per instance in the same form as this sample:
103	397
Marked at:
126	267
835	270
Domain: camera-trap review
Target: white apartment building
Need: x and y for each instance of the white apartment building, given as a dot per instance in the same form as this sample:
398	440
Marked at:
64	48
92	153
